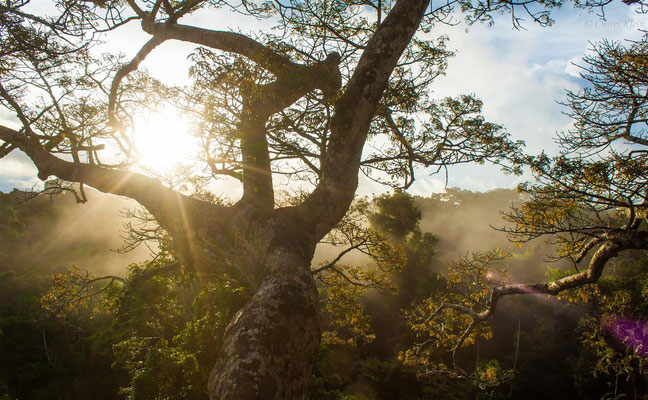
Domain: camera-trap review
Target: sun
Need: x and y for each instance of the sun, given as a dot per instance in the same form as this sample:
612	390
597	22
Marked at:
163	141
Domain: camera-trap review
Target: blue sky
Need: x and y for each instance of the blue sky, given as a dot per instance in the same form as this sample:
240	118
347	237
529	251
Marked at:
519	74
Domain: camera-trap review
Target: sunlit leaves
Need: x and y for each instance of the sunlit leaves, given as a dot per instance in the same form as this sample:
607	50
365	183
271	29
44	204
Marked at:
79	293
353	233
216	99
345	320
444	323
298	138
386	246
598	184
491	374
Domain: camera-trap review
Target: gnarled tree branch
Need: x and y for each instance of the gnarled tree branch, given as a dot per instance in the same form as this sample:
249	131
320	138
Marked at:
353	113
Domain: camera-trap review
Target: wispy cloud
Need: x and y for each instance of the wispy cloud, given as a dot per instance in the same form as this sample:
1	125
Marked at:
522	75
17	171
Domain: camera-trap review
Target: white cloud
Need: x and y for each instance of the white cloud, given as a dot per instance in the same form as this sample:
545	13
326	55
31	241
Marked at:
17	164
5	115
17	171
521	75
572	68
425	185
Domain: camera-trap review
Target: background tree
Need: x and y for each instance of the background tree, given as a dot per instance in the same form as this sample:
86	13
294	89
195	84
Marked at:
45	355
589	201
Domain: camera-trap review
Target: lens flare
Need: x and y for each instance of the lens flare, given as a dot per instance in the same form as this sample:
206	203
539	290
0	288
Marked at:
630	332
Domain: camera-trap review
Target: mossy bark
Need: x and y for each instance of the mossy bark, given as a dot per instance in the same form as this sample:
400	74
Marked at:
269	346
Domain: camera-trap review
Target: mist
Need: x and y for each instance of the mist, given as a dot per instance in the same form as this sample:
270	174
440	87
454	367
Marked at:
60	234
466	222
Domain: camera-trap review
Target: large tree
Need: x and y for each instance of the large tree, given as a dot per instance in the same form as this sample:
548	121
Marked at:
304	102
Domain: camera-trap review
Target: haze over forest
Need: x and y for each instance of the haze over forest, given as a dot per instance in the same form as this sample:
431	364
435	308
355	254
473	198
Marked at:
58	236
189	217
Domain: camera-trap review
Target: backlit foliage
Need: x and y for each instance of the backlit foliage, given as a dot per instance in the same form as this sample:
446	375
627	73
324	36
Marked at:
79	291
345	315
442	329
598	183
590	202
170	323
87	106
344	285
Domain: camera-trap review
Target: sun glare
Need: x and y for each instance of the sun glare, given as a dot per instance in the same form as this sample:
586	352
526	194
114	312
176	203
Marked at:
163	142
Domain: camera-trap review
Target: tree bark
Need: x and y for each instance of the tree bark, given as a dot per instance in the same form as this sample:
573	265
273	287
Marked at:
354	112
269	346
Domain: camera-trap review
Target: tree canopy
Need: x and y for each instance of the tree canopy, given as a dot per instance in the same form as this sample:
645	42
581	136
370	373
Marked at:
589	201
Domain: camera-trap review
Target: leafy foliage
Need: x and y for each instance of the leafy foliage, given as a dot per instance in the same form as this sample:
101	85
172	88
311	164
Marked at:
154	337
589	202
441	328
173	326
344	286
598	183
613	335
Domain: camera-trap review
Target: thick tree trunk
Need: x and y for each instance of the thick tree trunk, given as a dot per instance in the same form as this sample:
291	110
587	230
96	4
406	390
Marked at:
269	346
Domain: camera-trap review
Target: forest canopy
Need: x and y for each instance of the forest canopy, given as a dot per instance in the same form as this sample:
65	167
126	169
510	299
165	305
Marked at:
232	305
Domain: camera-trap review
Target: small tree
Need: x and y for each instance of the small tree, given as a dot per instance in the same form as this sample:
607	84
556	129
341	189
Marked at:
590	201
